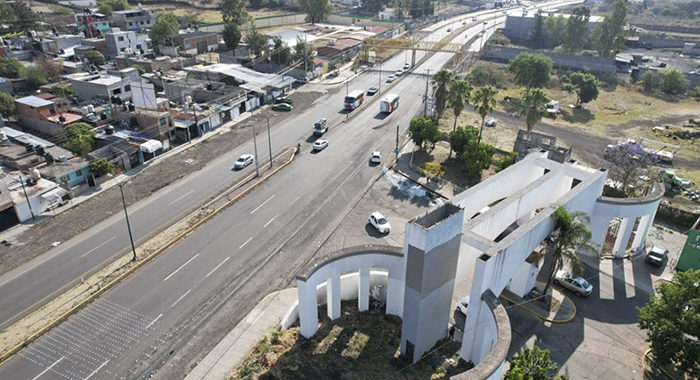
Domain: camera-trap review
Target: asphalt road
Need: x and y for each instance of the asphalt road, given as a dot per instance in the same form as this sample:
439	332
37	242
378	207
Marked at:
132	330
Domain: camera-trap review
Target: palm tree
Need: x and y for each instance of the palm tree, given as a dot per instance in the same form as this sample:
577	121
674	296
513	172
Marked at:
442	78
571	233
536	100
484	100
460	92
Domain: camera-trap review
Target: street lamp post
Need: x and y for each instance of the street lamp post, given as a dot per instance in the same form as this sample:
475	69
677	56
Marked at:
269	140
347	92
380	77
255	147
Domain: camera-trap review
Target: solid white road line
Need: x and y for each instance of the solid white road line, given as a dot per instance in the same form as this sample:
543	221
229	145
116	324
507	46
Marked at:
94	249
181	297
295	199
262	204
180	197
217	267
48	368
270	221
154	321
246	242
95	371
181	266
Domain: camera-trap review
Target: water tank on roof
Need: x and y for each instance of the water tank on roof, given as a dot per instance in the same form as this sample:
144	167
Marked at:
3	135
132	107
49	158
188	99
109	130
40	150
62	119
29	148
34	174
91	108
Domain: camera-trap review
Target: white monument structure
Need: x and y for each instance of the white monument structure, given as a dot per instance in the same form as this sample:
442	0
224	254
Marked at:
492	227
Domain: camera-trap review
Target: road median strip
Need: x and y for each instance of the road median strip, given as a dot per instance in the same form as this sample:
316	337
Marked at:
14	339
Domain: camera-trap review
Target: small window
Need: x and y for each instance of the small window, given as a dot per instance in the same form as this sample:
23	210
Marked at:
52	111
116	91
138	47
127	88
148	22
131	23
121	38
79	172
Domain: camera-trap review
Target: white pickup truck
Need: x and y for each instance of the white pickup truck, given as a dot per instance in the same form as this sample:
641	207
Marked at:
320	127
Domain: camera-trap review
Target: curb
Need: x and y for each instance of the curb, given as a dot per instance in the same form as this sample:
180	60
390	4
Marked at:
10	353
544	318
399	172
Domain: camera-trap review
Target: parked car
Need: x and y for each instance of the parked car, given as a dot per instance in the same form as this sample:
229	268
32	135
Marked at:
449	30
657	256
376	158
490	122
243	161
398	73
379	222
372	90
283	107
390	78
577	285
406	66
320	145
284	99
462	305
474	18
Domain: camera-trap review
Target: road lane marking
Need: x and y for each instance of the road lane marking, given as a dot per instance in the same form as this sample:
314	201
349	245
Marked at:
154	321
262	204
94	249
95	371
180	197
246	242
181	297
217	267
295	199
49	368
181	266
270	221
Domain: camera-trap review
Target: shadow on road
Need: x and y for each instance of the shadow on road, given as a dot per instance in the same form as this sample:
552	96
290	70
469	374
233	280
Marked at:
371	231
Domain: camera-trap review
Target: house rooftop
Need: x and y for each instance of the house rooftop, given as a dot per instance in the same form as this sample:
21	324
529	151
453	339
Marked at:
34	101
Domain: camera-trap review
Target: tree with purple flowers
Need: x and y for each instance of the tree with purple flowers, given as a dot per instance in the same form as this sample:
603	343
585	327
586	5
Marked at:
626	162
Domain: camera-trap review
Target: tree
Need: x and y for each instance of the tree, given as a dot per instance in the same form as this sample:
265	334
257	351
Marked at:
570	234
282	54
477	157
7	105
576	30
7	13
232	35
416	10
584	85
256	40
484	100
61	91
100	167
25	18
626	161
372	6
105	9
532	364
672	321
537	34
428	8
79	138
304	52
433	170
672	81
650	81
531	70
316	10
10	68
461	137
401	8
442	79
165	25
424	132
460	93
609	36
118	5
34	76
234	11
555	30
535	100
52	68
95	57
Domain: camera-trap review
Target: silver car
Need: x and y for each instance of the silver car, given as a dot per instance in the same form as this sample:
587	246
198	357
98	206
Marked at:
577	285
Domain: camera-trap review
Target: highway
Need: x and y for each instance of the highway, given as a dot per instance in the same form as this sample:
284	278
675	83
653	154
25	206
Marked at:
246	250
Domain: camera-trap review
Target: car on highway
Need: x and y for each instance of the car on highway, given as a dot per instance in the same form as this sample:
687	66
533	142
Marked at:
390	78
462	305
474	18
379	222
490	122
406	66
320	126
578	285
376	157
398	73
657	256
320	145
449	30
243	161
372	90
283	107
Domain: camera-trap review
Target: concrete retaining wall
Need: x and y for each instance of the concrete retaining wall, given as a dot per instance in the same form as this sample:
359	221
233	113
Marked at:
572	62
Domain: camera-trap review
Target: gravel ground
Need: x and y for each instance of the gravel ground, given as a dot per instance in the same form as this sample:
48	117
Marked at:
73	221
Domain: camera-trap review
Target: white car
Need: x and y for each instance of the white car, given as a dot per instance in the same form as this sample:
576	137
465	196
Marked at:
376	158
243	161
462	305
577	285
398	73
406	66
320	145
390	78
490	122
449	30
379	222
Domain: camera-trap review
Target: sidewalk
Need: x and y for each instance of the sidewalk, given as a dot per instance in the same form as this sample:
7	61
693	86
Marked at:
10	234
238	343
404	167
564	312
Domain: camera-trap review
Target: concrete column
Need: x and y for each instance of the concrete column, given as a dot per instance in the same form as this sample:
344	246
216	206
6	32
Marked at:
470	343
640	234
623	237
394	293
308	309
333	296
599	229
363	290
648	226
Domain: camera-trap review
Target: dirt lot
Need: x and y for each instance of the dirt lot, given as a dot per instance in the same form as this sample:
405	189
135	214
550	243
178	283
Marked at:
87	214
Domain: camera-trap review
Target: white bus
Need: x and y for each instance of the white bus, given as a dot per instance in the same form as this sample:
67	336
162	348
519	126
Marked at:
354	100
389	103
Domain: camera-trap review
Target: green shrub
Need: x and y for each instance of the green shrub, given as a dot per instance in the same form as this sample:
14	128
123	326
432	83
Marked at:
506	161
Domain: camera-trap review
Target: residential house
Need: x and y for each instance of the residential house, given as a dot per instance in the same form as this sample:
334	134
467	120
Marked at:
70	172
23	151
388	14
109	87
125	43
195	42
92	25
33	195
47	116
265	86
8	216
133	19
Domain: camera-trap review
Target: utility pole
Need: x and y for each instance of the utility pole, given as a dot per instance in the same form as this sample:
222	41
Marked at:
347	92
380	76
396	151
427	80
306	69
126	215
269	140
255	147
21	181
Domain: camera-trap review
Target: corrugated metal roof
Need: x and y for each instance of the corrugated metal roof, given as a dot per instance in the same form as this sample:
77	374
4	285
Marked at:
34	101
